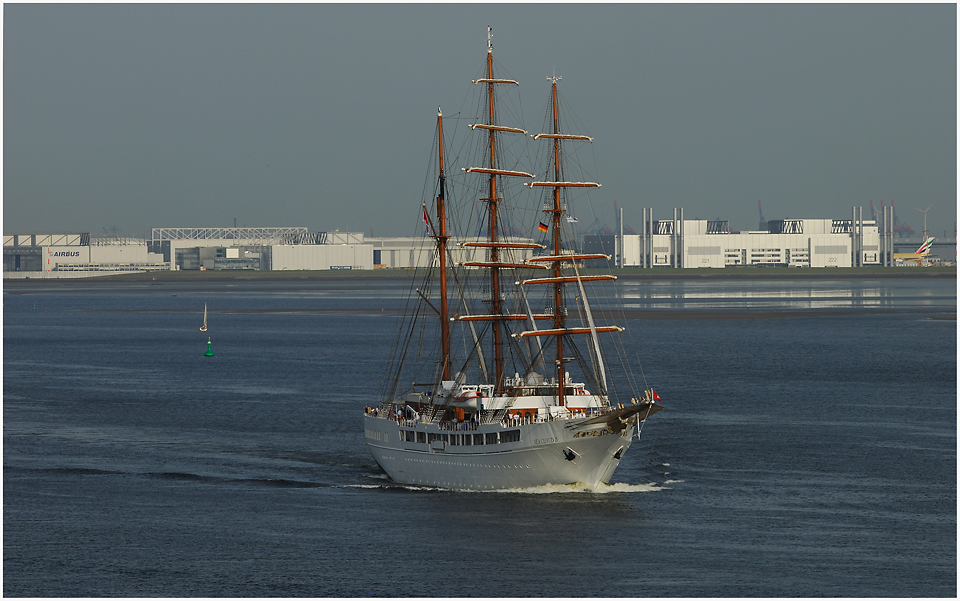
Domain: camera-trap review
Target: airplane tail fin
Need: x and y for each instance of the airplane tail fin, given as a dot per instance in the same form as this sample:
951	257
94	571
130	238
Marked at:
924	249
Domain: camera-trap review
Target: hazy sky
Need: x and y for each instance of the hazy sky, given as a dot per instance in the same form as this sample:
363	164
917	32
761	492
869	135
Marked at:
173	115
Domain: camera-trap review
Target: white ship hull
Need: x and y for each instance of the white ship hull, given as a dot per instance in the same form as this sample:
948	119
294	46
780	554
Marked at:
546	453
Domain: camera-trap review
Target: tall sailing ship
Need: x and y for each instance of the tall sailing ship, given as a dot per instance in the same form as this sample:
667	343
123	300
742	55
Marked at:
450	418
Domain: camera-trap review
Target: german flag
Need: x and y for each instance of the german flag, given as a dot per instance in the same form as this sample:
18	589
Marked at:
543	227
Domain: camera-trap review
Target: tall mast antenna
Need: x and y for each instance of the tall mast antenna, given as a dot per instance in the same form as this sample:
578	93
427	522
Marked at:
926	233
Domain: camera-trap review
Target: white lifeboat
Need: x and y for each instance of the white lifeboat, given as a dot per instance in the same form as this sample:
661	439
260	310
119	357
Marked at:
469	399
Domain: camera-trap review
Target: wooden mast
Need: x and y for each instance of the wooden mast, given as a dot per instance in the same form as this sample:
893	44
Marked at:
495	305
496	314
559	256
557	265
441	237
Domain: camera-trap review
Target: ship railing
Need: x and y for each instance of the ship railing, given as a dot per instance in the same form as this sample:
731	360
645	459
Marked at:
464	426
514	420
573	414
505	420
379	412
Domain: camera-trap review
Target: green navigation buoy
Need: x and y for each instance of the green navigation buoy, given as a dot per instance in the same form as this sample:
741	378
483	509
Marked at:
209	352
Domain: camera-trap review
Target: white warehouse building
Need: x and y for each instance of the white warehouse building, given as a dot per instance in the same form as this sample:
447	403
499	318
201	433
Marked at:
291	249
696	243
405	253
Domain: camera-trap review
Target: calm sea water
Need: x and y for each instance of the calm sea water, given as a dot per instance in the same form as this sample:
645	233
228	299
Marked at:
812	453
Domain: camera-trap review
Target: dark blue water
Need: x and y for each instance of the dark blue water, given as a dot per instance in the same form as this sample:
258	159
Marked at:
811	455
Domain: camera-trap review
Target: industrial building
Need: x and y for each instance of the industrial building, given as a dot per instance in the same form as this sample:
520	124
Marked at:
683	243
189	249
696	243
664	243
77	254
405	253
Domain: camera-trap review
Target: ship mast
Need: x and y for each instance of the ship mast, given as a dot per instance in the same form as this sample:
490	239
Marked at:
496	315
559	256
495	302
442	251
557	248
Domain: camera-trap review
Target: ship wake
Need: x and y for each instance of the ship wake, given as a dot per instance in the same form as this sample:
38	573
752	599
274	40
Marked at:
580	487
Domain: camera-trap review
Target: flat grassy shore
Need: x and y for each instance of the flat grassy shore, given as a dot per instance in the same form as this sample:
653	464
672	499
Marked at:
354	277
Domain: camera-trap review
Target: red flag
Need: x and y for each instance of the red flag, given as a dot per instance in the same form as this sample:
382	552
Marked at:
426	218
656	396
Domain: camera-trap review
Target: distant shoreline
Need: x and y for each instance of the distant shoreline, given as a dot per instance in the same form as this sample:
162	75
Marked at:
935	313
386	275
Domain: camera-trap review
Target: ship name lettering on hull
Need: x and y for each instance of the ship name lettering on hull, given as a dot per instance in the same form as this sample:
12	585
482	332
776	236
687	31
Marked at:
603	432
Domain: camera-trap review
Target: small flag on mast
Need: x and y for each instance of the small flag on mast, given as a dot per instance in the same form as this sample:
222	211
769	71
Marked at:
571	219
543	227
426	218
656	396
